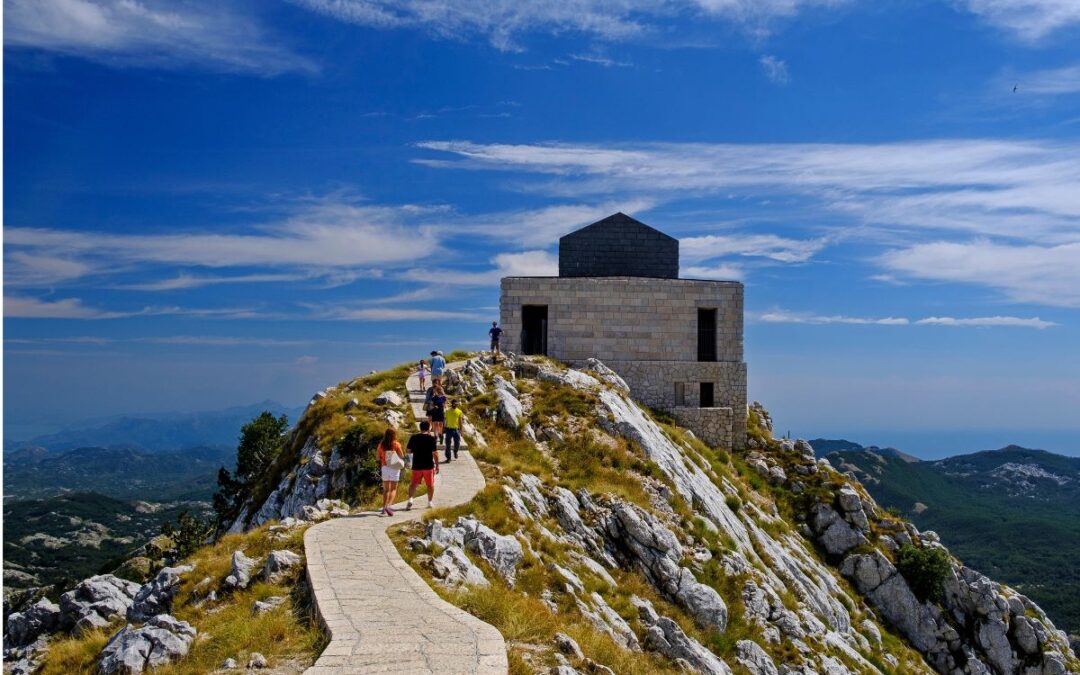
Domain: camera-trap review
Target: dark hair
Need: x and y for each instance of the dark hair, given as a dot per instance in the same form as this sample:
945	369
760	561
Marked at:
453	401
425	425
388	438
434	353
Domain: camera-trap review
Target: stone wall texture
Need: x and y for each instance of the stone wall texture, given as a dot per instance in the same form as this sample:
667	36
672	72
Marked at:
712	425
645	330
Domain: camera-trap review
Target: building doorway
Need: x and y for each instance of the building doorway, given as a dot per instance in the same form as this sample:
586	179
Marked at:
708	399
534	323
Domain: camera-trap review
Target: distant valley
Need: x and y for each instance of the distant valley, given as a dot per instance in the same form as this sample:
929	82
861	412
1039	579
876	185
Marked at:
1012	513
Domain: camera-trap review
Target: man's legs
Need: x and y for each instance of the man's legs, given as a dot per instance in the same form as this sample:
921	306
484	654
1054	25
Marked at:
429	480
455	436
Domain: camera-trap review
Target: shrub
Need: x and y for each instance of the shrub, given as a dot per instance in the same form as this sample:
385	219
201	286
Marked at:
733	502
925	570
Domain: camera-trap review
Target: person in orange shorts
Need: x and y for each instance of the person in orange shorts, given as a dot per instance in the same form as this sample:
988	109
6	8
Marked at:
425	463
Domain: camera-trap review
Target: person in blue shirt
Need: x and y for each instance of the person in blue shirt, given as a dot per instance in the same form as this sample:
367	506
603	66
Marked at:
495	333
438	366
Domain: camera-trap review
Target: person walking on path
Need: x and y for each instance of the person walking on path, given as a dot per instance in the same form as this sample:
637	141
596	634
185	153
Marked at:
421	372
438	365
437	411
425	463
454	414
495	333
391	462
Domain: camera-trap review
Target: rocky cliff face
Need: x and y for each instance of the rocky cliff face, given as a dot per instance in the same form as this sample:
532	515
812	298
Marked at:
769	561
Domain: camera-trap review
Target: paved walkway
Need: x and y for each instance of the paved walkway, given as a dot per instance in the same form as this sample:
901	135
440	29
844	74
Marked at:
382	617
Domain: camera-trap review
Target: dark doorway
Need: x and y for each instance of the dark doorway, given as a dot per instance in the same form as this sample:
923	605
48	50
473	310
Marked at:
706	335
707	399
534	321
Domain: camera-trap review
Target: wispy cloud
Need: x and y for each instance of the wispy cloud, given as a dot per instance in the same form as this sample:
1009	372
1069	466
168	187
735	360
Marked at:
775	69
1050	82
340	313
24	307
523	264
150	33
722	272
601	60
1030	20
186	281
504	22
787	316
773	247
986	321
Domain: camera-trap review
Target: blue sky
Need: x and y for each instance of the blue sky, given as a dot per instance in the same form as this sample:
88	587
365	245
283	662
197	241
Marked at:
209	204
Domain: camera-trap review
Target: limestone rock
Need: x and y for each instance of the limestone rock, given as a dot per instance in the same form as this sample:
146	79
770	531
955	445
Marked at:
607	375
453	567
532	494
133	650
40	618
665	636
751	656
257	661
571	378
508	410
94	602
156	596
279	564
444	536
502	552
242	567
390	397
271	603
567	645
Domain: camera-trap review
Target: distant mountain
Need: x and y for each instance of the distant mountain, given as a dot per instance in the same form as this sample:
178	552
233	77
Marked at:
156	432
60	540
1012	513
122	473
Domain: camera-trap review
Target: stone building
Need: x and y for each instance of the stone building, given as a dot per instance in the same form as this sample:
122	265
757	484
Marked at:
677	342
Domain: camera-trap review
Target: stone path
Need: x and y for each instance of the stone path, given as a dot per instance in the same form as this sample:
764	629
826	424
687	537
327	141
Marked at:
382	617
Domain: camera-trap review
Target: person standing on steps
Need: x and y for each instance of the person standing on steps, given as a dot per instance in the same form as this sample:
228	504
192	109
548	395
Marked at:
495	333
391	462
438	365
425	463
437	411
421	372
453	415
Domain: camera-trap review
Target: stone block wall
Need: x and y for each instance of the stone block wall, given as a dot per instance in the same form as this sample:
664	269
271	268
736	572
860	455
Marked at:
712	425
645	330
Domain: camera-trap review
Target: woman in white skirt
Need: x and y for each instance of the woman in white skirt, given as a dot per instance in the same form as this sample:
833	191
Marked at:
391	462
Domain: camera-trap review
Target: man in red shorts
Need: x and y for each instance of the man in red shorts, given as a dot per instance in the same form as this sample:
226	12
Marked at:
425	463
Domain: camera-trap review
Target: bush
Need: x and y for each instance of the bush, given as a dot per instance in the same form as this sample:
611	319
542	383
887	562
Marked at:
733	502
925	569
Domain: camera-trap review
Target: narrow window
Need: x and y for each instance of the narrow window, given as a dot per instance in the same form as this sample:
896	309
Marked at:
680	393
707	400
706	335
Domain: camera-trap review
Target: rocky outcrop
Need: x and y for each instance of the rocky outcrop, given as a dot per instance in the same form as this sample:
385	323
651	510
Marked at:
40	618
96	602
665	636
133	650
156	596
454	568
279	564
508	409
242	566
502	552
391	398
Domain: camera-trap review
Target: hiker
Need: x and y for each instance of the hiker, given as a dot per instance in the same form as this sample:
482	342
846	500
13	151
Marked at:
391	461
437	411
438	365
454	415
495	333
425	463
421	372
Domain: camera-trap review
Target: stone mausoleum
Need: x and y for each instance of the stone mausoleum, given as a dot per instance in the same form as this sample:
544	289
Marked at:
678	343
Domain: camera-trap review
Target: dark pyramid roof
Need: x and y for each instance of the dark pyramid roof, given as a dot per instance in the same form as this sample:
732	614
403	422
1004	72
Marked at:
621	223
618	246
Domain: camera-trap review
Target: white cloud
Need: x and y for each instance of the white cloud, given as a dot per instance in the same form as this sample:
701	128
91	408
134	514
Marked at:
785	316
1048	275
24	307
600	60
155	33
394	314
985	321
773	247
542	226
318	240
717	272
1051	82
502	22
523	264
1030	20
29	269
775	69
186	281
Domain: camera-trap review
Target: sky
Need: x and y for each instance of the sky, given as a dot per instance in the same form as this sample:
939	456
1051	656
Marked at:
209	204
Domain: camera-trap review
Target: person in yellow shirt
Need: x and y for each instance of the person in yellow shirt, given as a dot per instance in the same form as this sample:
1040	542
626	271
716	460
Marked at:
454	415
